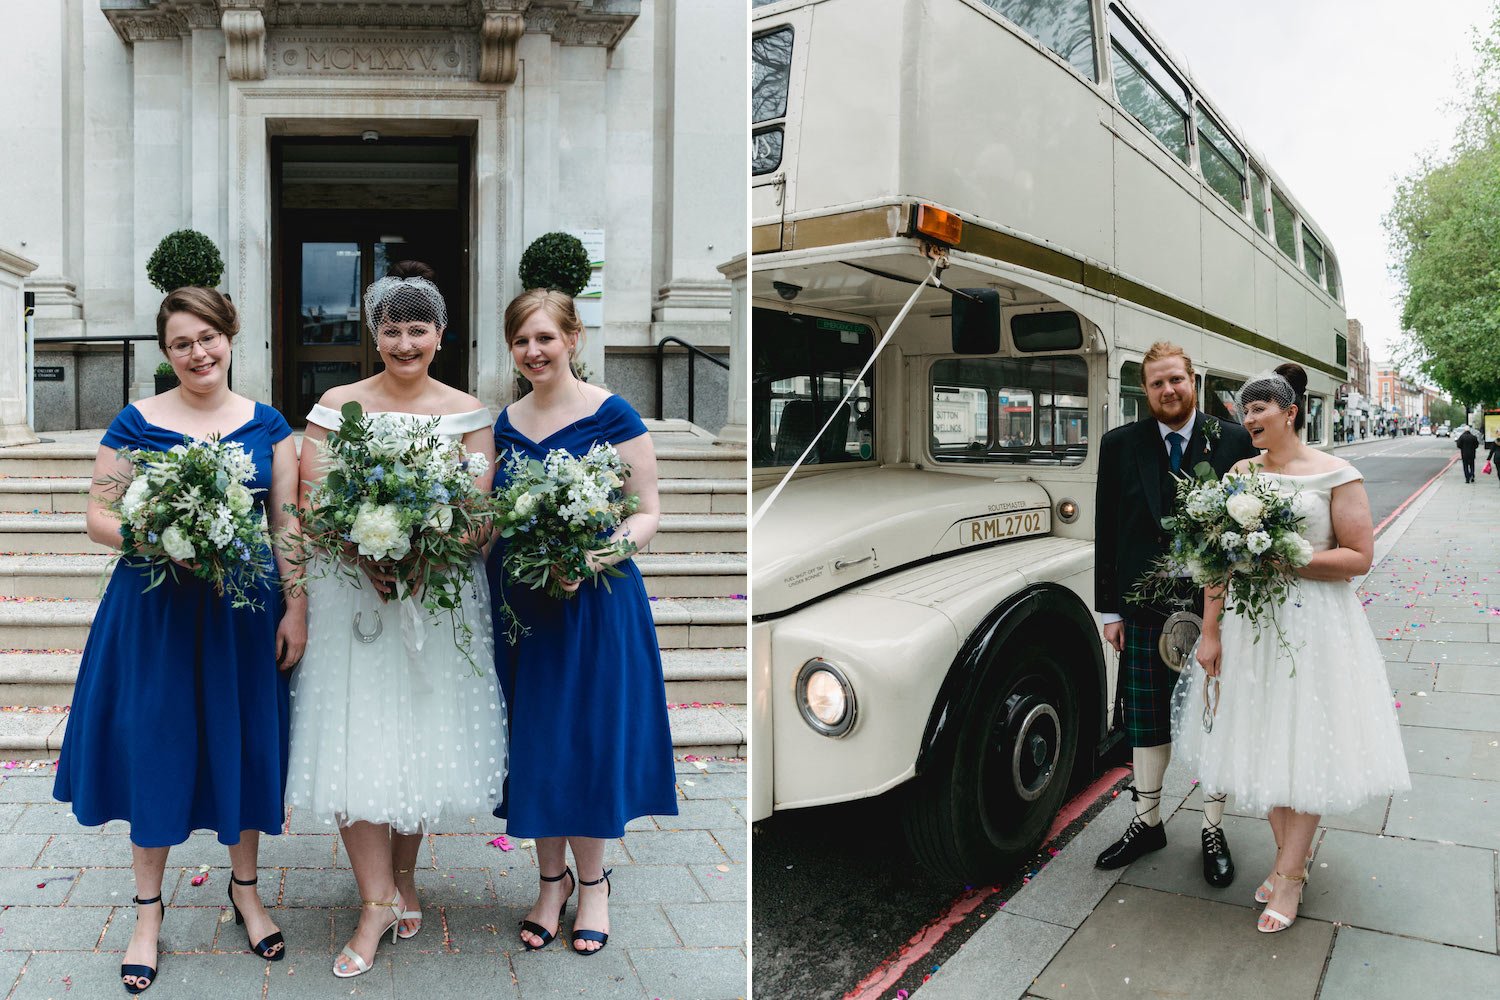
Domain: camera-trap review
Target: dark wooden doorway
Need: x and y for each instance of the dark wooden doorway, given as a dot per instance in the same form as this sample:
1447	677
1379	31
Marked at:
346	213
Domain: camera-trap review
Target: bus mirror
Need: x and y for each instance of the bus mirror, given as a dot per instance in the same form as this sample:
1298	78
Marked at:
976	321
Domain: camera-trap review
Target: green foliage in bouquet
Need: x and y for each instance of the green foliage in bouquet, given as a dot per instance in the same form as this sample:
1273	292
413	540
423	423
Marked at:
556	260
1240	534
183	258
399	498
191	506
559	513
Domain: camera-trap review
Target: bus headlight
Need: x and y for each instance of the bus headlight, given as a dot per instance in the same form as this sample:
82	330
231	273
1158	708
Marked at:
825	698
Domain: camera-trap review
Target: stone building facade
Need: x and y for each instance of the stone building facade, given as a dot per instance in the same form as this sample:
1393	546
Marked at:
315	142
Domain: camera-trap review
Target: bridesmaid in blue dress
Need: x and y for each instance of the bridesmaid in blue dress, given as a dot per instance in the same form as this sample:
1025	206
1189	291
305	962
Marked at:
179	717
590	746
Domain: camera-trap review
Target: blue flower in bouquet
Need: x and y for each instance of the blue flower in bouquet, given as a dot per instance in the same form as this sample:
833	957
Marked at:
378	473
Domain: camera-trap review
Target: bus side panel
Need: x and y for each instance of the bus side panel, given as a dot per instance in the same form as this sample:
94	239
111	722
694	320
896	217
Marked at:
848	135
1033	112
1157	238
1228	263
1291	312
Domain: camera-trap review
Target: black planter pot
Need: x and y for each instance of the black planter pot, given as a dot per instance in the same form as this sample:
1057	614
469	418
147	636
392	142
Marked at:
165	382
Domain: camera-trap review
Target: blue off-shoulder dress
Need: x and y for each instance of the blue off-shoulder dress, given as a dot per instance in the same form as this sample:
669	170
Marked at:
590	745
179	717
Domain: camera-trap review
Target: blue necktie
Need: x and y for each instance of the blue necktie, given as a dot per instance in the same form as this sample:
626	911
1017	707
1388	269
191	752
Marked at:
1175	455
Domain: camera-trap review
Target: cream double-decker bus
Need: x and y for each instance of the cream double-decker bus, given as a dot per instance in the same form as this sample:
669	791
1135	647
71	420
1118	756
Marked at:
922	585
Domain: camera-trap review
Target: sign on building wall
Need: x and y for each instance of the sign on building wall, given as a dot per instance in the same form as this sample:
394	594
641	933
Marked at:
590	301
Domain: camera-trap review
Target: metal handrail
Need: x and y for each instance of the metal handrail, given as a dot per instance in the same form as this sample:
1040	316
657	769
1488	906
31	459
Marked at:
694	353
124	341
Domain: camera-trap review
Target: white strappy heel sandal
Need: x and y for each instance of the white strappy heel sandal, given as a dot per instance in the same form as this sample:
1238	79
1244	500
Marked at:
360	965
1280	921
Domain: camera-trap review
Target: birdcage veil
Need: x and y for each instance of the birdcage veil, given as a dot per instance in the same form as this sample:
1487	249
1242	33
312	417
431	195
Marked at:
1267	387
404	300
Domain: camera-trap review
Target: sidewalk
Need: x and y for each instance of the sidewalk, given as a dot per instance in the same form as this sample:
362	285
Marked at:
1402	901
677	911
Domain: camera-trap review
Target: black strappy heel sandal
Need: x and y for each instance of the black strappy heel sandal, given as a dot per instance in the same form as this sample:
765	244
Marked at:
140	972
273	946
536	928
588	935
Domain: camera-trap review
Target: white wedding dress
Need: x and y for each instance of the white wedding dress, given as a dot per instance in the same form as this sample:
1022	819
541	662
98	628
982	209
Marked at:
402	729
1321	741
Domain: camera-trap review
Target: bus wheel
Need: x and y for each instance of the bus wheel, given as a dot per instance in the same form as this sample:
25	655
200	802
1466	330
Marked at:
975	816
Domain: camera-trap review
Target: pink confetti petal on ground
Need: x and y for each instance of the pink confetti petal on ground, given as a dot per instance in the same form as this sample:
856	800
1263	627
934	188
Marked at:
199	879
502	843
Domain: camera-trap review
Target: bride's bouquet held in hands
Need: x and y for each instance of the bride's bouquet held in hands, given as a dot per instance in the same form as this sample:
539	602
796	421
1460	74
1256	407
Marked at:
190	507
1238	533
557	516
398	496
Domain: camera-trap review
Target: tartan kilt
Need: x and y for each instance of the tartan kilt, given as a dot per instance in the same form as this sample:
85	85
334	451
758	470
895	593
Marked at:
1145	687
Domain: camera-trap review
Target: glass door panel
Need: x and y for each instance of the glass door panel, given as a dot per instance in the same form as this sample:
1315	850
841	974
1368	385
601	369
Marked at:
329	308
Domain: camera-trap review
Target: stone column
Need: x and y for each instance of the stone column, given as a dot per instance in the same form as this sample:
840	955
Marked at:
735	430
162	199
14	372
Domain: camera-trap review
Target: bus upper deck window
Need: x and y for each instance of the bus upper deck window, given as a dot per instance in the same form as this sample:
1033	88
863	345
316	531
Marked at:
1048	331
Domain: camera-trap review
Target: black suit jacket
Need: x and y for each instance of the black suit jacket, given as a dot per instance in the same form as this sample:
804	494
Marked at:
1130	501
1468	445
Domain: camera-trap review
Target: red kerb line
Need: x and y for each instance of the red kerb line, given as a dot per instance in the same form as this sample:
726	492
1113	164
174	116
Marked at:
889	972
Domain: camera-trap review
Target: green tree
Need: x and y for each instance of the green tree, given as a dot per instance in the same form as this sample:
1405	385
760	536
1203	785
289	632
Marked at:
1444	230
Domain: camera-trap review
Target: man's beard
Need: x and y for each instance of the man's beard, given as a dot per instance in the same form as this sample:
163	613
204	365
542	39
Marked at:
1187	405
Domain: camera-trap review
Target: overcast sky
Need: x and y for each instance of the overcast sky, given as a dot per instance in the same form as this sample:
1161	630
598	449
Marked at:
1340	97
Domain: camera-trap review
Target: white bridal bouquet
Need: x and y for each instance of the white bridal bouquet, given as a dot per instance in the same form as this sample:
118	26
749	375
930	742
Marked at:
397	494
190	504
1238	533
558	511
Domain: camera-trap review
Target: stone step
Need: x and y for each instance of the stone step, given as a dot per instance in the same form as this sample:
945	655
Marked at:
701	496
73	458
55	533
54	494
700	533
708	730
706	461
681	623
75	575
33	735
45	624
701	675
39	678
674	574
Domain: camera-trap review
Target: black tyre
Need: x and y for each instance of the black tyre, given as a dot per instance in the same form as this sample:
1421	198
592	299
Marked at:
974	816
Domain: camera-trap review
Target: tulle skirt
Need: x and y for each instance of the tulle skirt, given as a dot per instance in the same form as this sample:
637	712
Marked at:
391	721
1324	739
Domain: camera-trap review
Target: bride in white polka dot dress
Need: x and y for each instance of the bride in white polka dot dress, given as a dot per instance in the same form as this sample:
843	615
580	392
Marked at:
396	730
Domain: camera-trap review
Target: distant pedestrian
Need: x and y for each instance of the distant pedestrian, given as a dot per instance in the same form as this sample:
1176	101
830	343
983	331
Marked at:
1468	445
1494	456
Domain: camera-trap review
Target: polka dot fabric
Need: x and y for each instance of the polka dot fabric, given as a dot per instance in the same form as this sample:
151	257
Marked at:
1323	741
383	736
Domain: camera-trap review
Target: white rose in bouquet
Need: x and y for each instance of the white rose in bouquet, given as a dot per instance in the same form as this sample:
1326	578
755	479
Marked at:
240	498
377	532
1298	550
441	518
525	504
134	497
176	543
1246	509
1257	542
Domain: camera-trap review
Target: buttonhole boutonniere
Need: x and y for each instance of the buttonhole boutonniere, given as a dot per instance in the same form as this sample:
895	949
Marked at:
1211	431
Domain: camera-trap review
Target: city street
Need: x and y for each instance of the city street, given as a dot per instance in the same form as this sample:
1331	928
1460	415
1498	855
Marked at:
842	911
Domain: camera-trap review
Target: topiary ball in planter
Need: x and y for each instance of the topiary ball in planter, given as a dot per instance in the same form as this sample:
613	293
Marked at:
166	378
183	258
556	260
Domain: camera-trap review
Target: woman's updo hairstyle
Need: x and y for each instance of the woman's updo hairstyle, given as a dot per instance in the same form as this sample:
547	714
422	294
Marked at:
407	294
1297	377
557	305
211	306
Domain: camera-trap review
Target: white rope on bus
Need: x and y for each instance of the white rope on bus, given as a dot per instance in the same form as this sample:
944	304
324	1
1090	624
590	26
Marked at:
930	279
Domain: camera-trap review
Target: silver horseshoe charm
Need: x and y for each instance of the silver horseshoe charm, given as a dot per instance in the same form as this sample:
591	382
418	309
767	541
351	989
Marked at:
362	635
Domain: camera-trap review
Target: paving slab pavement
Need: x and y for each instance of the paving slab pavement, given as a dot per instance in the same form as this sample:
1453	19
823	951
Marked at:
1402	900
677	911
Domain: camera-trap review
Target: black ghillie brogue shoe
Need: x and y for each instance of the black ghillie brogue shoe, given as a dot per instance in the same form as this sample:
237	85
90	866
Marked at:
1137	841
1218	865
